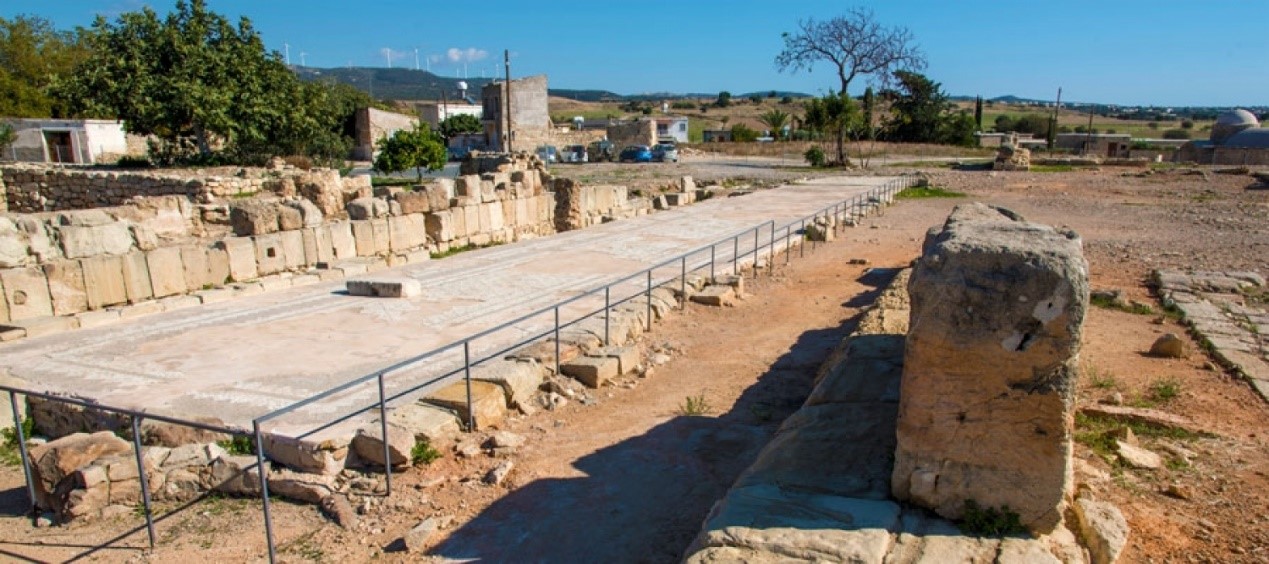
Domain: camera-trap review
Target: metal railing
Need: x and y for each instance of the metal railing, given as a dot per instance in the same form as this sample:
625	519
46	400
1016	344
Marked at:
859	205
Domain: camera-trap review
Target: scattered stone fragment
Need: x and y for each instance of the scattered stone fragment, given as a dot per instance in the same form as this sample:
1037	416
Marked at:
339	510
1179	491
504	439
385	287
499	473
1104	529
717	296
1138	457
1168	345
416	540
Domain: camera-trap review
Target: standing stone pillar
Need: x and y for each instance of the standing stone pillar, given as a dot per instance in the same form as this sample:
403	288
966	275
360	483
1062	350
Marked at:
986	407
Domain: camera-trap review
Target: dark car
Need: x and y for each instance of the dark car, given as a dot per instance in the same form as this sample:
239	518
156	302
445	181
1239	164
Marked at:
636	154
602	150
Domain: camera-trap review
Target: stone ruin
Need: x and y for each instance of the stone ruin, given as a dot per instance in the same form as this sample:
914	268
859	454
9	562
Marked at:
956	386
1009	157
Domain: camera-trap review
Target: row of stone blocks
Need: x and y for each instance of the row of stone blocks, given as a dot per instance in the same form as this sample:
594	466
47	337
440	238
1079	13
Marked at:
72	286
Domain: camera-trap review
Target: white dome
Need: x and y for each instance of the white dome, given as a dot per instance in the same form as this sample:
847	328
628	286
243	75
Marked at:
1231	122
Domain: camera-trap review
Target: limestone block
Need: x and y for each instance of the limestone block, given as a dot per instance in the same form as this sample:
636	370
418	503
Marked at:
197	269
488	191
367	208
715	295
488	402
521	213
317	245
497	219
300	486
217	266
590	370
242	257
136	277
627	357
293	249
1104	529
405	232
310	214
341	239
426	422
270	258
252	217
440	226
518	379
369	441
364	237
990	365
235	475
57	460
80	241
385	287
439	193
289	218
167	273
467	186
414	202
66	287
471	218
45	325
382	236
26	293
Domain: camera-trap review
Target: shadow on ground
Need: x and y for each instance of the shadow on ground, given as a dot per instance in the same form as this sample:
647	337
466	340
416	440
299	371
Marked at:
644	499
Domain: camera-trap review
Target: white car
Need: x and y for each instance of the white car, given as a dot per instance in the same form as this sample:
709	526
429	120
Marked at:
665	153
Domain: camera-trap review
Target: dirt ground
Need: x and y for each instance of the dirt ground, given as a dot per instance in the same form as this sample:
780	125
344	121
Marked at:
630	477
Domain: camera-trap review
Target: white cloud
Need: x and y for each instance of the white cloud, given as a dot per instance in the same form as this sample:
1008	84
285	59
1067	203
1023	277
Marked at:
468	55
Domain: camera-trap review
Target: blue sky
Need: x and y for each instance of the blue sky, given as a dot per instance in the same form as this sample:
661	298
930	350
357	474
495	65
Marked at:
1159	52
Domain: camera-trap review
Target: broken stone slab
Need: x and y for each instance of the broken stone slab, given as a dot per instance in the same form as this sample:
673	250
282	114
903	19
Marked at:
253	217
591	371
499	473
172	435
337	508
518	378
1104	529
367	208
235	475
1142	415
488	402
990	364
627	357
57	460
368	443
418	539
301	486
718	296
1138	457
385	287
427	422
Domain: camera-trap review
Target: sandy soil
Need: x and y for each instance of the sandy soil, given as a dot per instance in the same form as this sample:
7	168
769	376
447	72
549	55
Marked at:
629	478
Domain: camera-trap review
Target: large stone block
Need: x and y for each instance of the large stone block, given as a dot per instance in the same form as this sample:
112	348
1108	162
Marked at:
26	293
79	241
251	217
167	273
364	237
341	239
414	202
66	287
197	268
427	422
471	218
991	361
406	232
382	237
488	402
217	266
136	277
270	258
497	217
519	378
242	257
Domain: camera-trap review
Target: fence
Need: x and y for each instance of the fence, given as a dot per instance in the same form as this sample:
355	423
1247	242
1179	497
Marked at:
582	306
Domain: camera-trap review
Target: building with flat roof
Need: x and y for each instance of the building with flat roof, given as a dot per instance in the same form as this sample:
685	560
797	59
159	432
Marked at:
67	141
530	118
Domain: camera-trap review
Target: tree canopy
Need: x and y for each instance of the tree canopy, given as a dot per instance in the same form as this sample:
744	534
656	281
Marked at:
834	114
855	44
203	85
459	124
417	149
32	55
921	113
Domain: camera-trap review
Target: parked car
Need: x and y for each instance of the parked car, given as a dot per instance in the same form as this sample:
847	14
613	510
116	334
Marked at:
458	153
665	153
602	150
636	154
574	154
548	154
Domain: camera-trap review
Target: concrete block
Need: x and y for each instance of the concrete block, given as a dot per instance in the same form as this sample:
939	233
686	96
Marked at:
363	237
167	273
242	257
26	293
293	249
440	226
341	239
591	371
66	287
197	270
270	258
385	287
488	405
136	277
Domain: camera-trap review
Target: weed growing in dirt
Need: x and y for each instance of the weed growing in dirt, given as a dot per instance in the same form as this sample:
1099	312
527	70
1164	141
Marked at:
922	192
1098	432
1108	302
989	521
694	405
9	454
1101	380
424	453
239	445
1164	390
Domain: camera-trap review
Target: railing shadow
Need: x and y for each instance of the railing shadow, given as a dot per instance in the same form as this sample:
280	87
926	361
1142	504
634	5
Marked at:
644	499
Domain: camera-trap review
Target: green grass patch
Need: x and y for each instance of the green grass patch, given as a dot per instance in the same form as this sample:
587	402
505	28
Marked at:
1164	390
695	405
9	453
424	453
1097	432
1052	168
1102	380
923	192
239	445
1107	302
989	521
378	181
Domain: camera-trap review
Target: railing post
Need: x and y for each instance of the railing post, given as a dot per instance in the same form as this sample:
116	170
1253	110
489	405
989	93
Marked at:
264	490
471	416
683	284
755	251
711	262
557	342
26	459
788	236
735	255
383	428
771	252
607	310
145	484
802	243
648	295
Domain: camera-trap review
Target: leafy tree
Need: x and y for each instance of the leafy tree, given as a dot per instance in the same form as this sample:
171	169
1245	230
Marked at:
870	113
833	115
32	55
918	105
7	136
200	84
786	100
958	129
1004	123
459	124
741	133
856	44
775	119
1033	123
1176	134
416	149
724	99
755	99
1187	124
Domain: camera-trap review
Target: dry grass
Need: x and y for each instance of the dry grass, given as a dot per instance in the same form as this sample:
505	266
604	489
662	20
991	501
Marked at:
853	150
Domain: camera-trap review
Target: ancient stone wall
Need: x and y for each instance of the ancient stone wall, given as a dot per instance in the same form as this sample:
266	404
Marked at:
641	132
990	366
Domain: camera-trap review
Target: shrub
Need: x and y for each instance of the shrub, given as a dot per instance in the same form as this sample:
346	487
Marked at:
695	405
1176	134
683	105
741	133
133	162
990	521
814	156
424	453
9	442
301	162
239	445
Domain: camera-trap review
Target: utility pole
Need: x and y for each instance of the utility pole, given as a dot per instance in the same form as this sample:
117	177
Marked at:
506	91
1057	107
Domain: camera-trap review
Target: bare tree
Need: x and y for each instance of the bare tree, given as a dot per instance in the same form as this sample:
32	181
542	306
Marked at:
855	43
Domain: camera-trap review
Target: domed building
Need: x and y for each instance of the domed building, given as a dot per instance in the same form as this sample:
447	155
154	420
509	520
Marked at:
1237	139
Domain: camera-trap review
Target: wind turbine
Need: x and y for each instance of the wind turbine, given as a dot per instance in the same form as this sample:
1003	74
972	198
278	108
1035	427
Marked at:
287	48
302	59
416	58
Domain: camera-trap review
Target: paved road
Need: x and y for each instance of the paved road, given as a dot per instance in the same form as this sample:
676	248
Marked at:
239	359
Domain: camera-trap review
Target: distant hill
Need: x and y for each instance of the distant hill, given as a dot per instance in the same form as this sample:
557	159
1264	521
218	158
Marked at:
410	84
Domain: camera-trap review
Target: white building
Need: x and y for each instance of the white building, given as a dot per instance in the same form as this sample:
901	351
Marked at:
435	112
70	141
